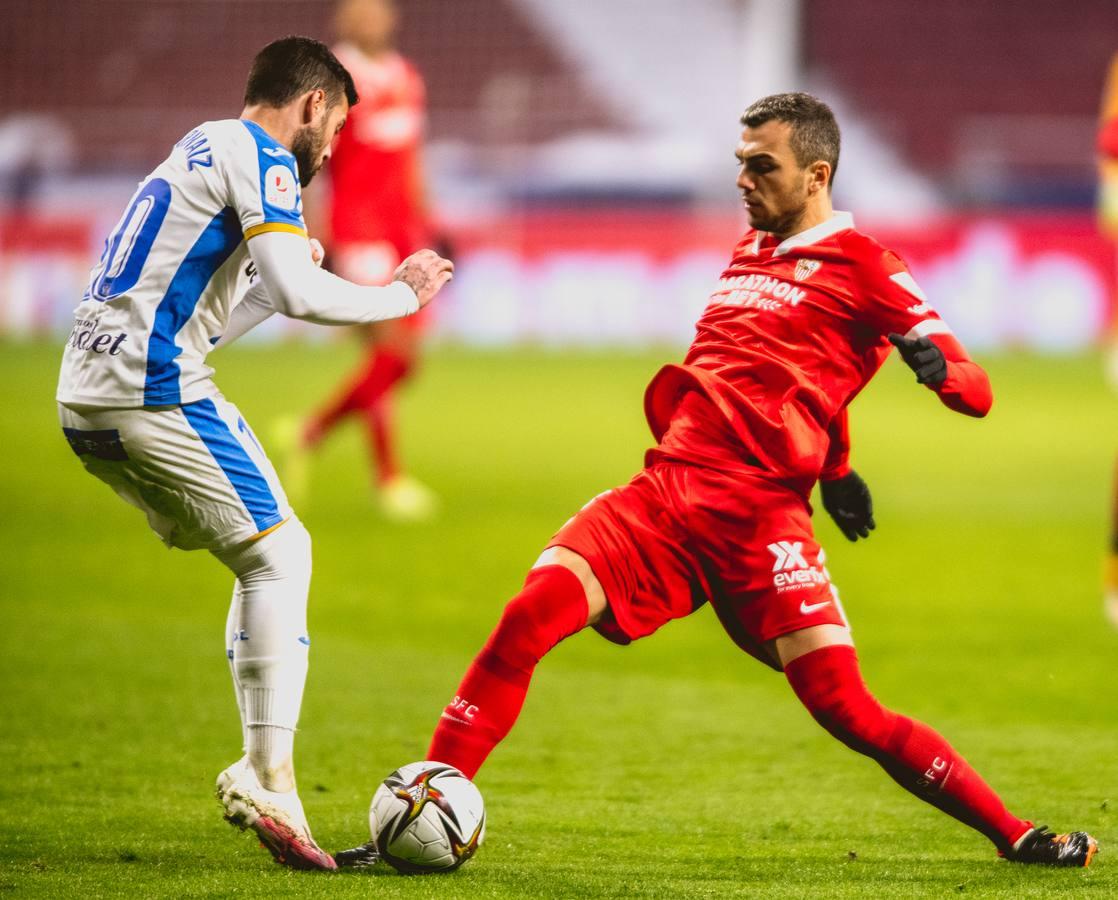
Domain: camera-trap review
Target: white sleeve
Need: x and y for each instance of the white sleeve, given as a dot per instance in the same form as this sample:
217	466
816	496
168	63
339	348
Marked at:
299	289
254	307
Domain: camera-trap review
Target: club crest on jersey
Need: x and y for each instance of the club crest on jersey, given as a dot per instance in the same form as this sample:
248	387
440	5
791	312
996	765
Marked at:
279	187
805	268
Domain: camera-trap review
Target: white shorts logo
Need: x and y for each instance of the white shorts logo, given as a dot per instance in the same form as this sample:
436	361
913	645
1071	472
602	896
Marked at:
279	187
792	571
788	555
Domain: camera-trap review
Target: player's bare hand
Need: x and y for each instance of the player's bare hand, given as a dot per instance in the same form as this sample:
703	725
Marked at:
318	253
425	272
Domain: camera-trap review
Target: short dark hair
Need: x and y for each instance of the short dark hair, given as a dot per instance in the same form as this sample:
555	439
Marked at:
815	133
291	66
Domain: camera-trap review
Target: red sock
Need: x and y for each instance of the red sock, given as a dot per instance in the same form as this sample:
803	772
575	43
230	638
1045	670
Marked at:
381	426
381	369
550	607
829	683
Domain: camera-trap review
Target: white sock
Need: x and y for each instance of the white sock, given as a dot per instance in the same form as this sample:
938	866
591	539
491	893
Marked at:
231	628
271	750
270	653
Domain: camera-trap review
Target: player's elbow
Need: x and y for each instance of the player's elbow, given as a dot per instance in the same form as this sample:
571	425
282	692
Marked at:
976	404
292	302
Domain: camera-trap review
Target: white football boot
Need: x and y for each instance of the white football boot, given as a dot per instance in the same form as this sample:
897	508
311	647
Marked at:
277	818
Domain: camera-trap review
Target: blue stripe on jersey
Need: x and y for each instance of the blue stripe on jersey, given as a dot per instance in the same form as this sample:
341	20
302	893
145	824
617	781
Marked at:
269	153
214	246
245	476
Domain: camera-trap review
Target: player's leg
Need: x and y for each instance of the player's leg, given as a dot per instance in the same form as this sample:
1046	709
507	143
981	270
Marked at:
396	349
561	596
269	660
380	368
773	593
618	565
203	481
822	667
269	645
232	634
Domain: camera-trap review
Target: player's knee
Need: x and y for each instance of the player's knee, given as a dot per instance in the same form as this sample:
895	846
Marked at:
292	548
592	588
550	607
849	712
285	553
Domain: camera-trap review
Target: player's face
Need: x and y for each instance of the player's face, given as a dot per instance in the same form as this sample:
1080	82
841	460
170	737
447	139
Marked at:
313	142
772	184
370	24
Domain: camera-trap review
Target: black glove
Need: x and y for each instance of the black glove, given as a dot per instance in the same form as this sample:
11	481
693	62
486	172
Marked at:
849	503
923	357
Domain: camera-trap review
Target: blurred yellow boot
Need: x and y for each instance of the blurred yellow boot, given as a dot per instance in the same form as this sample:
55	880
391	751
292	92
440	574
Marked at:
404	499
1110	589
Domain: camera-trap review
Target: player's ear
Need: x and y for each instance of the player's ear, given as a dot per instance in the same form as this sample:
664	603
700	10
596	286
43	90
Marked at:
314	105
819	176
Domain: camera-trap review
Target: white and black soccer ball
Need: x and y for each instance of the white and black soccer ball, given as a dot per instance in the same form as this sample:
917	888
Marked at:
427	817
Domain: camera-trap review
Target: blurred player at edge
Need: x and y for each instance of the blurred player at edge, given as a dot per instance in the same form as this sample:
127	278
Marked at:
805	314
1108	223
212	243
377	215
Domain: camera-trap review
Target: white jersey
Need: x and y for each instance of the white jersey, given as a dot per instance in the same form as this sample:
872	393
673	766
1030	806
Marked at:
175	266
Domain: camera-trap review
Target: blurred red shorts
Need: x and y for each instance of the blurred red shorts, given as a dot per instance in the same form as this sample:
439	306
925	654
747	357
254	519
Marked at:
679	535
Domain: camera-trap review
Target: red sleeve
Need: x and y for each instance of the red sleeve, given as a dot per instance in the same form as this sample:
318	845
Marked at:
967	386
894	303
892	300
837	462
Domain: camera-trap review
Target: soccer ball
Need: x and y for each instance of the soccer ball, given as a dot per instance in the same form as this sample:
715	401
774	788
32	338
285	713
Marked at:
427	817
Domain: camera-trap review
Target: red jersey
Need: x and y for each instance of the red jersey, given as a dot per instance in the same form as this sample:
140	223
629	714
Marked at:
793	332
374	166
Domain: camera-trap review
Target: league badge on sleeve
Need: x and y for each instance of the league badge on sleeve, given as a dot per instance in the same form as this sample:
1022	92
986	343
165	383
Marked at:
280	189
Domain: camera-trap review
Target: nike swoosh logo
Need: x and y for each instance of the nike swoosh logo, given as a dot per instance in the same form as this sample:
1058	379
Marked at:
447	715
806	607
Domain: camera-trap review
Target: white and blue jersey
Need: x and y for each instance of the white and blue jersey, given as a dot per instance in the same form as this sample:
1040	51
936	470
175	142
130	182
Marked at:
174	267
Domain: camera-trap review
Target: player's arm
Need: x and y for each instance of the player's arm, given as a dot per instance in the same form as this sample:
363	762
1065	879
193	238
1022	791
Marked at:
262	181
941	363
255	305
896	307
301	290
846	497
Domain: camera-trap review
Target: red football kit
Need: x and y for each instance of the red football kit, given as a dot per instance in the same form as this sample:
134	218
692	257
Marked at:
746	425
376	214
754	415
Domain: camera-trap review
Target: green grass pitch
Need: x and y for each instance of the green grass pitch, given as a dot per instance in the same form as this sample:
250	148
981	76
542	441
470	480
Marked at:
677	767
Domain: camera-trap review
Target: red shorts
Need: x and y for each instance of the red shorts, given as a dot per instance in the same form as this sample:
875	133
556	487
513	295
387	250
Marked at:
678	535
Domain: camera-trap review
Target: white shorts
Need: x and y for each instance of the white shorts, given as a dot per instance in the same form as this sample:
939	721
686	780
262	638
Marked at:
196	470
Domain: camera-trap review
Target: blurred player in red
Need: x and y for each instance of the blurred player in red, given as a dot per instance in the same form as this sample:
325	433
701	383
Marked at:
378	215
1108	222
802	318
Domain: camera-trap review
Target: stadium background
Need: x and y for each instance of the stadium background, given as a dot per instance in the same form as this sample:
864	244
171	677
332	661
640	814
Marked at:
579	150
581	157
